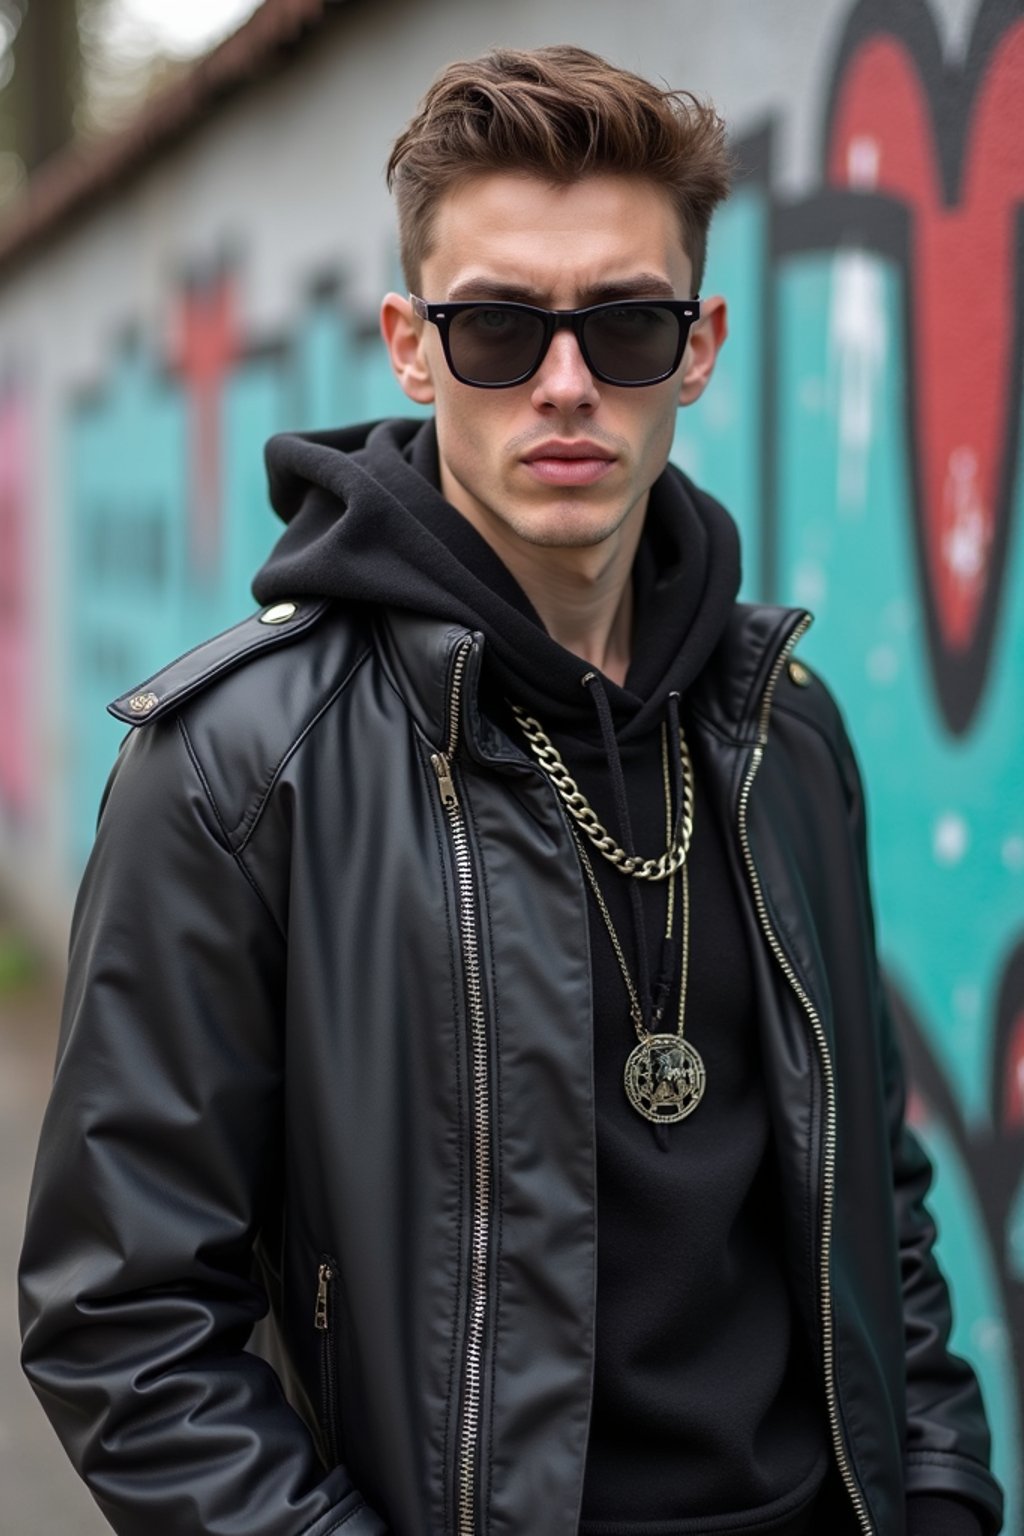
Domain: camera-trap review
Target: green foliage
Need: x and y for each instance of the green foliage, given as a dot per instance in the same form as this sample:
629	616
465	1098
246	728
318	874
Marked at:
19	963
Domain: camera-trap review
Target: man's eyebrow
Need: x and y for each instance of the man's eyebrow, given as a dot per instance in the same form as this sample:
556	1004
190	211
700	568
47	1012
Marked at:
641	285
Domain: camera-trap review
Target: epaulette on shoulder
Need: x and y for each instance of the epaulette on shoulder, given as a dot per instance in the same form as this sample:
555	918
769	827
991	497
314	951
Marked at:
189	674
804	694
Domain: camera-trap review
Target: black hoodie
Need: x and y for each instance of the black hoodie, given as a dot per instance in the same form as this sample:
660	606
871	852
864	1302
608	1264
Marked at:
705	1403
400	543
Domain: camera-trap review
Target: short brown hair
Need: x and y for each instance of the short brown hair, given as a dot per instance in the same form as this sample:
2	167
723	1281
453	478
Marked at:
561	113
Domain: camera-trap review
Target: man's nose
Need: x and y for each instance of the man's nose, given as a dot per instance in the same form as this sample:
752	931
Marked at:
563	379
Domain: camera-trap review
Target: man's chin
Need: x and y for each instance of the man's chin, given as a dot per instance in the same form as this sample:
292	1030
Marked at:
567	525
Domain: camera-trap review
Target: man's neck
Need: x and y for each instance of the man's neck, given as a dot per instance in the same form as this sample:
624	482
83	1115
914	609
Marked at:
591	616
582	595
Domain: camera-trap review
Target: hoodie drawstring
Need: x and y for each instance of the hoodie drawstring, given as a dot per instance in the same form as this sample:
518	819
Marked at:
670	944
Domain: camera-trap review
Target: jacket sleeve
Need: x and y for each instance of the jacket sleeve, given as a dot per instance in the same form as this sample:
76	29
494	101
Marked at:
948	1445
157	1146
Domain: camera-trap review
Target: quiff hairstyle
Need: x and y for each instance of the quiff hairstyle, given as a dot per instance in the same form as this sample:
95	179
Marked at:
560	113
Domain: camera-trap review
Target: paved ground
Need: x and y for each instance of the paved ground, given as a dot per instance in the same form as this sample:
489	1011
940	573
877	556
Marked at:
39	1493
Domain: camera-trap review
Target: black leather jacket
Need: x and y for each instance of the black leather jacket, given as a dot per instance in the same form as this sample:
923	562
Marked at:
327	1041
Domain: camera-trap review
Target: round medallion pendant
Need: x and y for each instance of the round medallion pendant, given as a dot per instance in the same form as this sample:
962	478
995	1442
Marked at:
665	1079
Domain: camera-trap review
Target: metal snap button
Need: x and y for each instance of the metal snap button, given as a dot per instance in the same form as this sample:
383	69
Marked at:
280	613
799	674
142	703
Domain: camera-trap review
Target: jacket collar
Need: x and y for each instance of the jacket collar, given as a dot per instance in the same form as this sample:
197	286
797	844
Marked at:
730	691
420	652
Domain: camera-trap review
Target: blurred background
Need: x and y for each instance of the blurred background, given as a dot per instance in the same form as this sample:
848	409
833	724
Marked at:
194	235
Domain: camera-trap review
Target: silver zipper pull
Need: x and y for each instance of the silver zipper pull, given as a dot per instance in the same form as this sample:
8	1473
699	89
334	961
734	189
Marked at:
443	768
321	1319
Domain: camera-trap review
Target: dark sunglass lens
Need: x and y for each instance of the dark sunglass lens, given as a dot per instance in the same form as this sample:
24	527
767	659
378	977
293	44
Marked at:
634	344
492	345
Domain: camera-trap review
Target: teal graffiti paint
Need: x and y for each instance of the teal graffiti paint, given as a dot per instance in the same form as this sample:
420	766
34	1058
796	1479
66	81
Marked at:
718	440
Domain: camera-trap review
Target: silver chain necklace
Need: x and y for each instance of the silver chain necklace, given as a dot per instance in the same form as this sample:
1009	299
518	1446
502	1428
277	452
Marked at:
583	813
664	1076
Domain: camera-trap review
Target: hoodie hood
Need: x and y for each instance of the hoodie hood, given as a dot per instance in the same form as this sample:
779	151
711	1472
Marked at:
366	523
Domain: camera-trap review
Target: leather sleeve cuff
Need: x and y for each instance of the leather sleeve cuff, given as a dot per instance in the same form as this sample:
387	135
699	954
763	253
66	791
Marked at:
930	1515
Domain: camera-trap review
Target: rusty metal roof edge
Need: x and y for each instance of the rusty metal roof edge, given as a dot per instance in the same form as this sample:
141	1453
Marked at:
80	174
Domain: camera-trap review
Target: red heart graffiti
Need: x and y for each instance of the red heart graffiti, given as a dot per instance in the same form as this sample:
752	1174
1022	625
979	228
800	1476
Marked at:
962	286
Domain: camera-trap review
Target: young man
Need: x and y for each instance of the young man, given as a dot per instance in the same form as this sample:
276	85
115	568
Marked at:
476	960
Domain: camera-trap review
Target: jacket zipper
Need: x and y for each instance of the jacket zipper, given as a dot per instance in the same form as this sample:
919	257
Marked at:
328	1386
821	1042
469	1428
473	1362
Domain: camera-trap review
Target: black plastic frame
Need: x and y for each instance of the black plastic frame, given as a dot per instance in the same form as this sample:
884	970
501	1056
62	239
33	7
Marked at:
686	312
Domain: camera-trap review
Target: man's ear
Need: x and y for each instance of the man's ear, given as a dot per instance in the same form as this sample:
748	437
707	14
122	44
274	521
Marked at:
703	344
403	334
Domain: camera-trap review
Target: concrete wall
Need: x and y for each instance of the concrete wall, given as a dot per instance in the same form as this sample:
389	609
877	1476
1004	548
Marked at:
864	428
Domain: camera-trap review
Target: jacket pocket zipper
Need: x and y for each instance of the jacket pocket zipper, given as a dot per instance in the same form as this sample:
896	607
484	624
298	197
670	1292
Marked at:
828	1076
465	882
323	1323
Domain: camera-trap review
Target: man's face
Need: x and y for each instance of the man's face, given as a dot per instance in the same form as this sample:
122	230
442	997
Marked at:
563	460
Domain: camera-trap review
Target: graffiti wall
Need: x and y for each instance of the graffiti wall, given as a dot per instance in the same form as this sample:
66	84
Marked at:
864	427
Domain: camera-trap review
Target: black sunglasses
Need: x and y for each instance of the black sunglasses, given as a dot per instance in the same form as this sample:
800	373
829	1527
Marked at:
493	345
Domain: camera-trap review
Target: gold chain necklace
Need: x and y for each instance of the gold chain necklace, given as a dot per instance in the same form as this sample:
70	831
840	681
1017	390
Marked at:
583	813
664	1076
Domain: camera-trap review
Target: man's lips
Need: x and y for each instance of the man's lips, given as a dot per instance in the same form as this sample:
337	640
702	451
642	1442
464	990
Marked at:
578	462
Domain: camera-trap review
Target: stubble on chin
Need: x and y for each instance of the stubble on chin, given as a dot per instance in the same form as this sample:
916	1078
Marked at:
566	520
